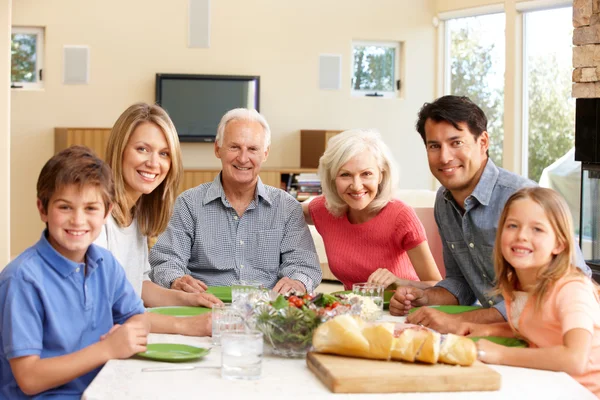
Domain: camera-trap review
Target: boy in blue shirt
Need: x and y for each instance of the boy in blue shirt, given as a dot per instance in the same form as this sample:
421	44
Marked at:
61	298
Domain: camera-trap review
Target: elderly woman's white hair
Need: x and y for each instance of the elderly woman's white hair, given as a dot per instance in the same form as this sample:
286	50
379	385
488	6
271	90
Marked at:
341	149
244	114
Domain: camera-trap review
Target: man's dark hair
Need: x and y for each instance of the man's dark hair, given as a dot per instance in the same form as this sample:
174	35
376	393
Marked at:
454	110
76	165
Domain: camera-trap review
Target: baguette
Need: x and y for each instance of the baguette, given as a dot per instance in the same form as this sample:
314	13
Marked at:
350	336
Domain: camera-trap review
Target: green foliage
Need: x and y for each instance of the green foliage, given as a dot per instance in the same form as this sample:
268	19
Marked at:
551	114
23	58
551	110
471	64
373	68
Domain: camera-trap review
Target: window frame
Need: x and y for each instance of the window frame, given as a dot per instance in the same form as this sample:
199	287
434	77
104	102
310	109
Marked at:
397	70
39	59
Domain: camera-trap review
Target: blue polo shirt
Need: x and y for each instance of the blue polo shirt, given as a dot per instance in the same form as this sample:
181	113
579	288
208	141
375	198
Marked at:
48	307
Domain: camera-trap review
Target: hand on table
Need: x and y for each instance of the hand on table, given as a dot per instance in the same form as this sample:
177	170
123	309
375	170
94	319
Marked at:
405	298
286	285
189	284
201	300
435	319
472	329
128	339
383	277
488	352
199	325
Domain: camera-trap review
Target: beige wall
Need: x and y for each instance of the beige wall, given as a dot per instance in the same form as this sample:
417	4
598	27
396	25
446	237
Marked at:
281	41
5	15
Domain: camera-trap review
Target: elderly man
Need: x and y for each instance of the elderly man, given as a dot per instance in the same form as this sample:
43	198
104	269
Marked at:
467	208
235	227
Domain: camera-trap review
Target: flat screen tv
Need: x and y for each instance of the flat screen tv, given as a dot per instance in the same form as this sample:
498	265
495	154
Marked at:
196	103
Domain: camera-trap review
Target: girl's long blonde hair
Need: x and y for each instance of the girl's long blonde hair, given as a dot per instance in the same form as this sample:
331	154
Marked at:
562	264
152	210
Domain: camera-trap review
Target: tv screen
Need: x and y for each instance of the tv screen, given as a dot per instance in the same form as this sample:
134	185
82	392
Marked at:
196	103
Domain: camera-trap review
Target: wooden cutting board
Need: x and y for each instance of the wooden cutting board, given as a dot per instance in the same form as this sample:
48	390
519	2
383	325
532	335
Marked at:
357	375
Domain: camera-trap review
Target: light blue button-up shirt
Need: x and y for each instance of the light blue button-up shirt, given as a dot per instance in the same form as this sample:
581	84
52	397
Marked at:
209	241
50	306
468	238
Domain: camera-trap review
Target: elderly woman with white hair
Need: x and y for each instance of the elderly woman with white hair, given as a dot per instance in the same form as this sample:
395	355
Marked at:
368	235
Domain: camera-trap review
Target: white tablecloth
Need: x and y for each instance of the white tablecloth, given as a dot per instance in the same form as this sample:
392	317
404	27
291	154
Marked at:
289	378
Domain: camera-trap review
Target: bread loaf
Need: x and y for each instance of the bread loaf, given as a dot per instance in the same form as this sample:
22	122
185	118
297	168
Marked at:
350	336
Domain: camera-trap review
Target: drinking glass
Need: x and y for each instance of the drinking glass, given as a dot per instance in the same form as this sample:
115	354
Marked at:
245	294
241	355
225	318
373	309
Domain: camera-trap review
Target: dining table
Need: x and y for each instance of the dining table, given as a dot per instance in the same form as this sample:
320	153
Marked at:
291	378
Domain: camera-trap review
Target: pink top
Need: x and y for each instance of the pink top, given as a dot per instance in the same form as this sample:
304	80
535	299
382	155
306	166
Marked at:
572	303
355	251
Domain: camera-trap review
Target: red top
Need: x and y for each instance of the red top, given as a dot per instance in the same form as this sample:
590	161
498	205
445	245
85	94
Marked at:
355	251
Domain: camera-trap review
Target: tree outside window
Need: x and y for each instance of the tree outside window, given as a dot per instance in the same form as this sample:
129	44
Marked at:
374	68
476	69
26	57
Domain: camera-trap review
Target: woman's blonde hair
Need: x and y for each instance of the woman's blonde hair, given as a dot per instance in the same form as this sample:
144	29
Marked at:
341	149
152	210
558	215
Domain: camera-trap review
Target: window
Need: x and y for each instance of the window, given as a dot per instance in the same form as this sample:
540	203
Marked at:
475	68
549	122
375	69
26	50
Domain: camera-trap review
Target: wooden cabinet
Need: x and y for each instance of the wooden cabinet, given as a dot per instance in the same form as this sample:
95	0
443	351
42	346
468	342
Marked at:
312	146
94	138
276	177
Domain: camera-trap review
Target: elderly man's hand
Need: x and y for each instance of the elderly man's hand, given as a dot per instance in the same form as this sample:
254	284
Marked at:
436	320
189	284
286	285
405	298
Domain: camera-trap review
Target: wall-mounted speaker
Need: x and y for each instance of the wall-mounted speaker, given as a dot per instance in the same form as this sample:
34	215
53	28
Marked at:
76	65
330	71
199	23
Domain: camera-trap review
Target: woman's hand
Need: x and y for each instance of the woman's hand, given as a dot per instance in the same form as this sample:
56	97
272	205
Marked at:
384	277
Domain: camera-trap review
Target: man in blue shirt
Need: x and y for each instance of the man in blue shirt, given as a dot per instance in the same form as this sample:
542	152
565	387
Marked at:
60	297
467	208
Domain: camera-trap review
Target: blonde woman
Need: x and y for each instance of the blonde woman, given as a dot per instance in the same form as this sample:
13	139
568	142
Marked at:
368	236
144	154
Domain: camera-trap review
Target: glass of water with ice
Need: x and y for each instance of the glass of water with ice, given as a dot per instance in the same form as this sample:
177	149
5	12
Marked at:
245	295
225	318
374	293
241	355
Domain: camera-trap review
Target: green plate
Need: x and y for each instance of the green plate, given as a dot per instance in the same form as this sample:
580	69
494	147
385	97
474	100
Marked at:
450	309
504	341
222	293
387	295
173	352
179	311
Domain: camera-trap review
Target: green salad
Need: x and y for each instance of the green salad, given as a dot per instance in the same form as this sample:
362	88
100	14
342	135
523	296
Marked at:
288	322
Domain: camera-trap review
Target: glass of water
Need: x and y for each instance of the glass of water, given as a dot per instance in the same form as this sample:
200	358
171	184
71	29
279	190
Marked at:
373	302
225	318
245	294
241	355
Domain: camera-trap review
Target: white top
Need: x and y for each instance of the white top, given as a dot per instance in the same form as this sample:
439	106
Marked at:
518	305
130	248
290	378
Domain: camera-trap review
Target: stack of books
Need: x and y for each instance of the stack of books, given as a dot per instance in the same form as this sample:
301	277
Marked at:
305	185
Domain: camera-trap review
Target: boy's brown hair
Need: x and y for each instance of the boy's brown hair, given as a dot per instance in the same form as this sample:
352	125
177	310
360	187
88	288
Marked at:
76	165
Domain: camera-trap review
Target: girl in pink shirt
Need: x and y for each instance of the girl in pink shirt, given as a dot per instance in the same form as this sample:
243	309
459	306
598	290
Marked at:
550	303
368	236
